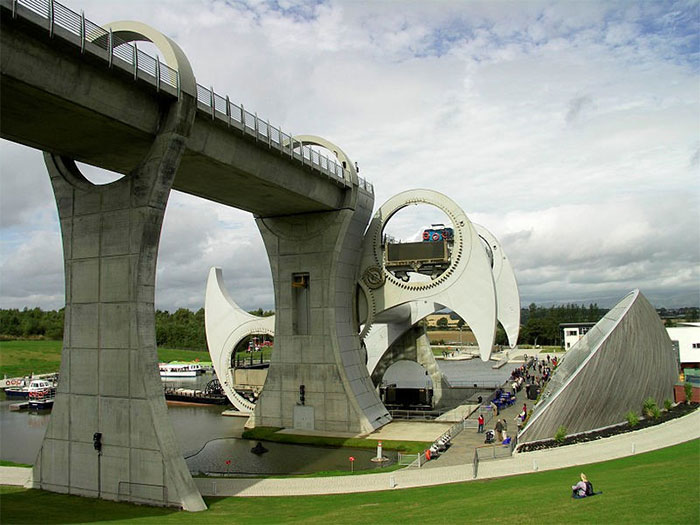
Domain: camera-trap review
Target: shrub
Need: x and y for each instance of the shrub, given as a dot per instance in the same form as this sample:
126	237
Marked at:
655	412
668	404
560	436
688	392
632	418
648	407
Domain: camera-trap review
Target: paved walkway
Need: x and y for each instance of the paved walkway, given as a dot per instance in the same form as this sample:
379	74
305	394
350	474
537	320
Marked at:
463	445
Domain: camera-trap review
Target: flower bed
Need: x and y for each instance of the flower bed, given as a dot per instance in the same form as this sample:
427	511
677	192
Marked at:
675	411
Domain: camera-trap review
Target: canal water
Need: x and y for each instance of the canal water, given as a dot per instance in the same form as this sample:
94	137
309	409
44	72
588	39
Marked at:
212	443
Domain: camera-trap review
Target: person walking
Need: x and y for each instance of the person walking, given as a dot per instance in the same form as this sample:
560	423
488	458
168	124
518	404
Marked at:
499	431
481	424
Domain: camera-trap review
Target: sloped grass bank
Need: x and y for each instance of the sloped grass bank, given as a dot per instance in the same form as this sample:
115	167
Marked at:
655	487
20	358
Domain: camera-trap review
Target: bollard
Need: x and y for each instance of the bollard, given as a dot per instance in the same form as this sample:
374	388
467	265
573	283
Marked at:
379	450
633	448
392	482
534	465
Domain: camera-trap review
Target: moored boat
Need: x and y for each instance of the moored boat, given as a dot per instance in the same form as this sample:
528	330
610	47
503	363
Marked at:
180	369
22	391
41	394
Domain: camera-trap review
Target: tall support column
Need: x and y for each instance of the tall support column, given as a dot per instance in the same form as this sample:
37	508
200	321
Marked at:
314	260
109	387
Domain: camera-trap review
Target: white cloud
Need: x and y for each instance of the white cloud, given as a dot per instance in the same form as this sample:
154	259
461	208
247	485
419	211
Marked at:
568	129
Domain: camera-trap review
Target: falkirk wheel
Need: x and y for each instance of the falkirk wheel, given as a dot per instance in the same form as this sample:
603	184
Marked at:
468	273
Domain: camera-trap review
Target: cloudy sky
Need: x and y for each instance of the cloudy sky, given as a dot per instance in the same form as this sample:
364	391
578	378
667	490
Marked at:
571	130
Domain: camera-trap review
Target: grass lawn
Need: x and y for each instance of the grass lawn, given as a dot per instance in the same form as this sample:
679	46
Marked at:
20	358
5	463
656	487
270	434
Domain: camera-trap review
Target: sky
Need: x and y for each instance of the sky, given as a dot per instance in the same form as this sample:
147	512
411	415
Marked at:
571	130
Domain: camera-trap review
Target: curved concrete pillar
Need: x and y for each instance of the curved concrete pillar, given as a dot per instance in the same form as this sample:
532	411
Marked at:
466	286
391	325
226	326
412	344
314	260
109	381
507	294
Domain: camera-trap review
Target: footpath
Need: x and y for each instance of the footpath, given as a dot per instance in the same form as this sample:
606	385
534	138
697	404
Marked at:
673	432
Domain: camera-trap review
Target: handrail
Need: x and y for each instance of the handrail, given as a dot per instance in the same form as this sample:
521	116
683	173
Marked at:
145	67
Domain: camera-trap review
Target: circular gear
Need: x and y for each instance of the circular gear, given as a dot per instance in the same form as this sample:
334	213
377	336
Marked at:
374	277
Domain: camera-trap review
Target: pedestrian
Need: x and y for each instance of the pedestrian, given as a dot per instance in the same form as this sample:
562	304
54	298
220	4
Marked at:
481	424
583	488
499	431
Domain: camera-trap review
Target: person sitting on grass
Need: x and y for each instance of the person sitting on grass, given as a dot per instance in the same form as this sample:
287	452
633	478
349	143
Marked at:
579	490
583	488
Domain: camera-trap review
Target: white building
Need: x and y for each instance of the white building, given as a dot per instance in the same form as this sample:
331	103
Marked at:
687	336
573	332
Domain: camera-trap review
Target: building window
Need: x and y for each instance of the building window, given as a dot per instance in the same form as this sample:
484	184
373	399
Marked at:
696	345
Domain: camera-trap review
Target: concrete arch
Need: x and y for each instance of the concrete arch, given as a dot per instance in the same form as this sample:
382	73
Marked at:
507	295
226	326
133	31
315	140
466	286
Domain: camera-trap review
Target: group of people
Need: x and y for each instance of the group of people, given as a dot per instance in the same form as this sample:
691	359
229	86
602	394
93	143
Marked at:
534	371
541	372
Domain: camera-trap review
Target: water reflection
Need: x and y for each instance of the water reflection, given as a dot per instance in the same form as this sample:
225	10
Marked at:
234	457
217	438
207	437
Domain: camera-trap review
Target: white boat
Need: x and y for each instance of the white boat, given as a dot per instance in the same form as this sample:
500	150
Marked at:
23	390
41	394
180	369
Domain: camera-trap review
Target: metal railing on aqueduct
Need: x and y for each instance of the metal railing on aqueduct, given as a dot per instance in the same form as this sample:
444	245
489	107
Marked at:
127	56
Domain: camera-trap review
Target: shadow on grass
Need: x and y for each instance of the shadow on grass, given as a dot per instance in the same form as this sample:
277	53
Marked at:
29	506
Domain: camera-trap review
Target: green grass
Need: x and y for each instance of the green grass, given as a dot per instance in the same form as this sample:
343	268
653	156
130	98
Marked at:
4	463
319	474
656	487
266	354
20	358
165	355
270	434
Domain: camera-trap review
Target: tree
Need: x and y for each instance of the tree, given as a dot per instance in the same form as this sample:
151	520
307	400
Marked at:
442	322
